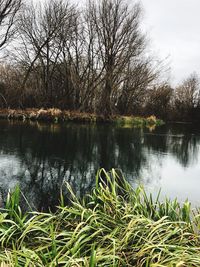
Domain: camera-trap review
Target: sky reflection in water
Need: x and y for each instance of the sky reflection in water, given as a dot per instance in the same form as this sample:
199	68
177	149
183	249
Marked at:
40	157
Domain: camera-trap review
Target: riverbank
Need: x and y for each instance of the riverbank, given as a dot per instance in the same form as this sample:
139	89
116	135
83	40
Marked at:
113	226
57	115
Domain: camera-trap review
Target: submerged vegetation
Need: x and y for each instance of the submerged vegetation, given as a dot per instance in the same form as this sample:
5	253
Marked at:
115	225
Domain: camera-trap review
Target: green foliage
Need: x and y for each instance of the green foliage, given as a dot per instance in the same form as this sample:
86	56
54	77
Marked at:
115	225
131	121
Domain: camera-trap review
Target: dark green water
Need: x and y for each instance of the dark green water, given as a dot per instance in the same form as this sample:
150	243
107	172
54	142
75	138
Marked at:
39	157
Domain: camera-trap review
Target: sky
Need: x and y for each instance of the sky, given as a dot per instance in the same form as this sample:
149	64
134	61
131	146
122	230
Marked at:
173	27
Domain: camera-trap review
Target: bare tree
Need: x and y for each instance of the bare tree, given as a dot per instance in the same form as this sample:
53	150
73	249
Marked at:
90	59
186	98
140	77
158	100
118	41
41	46
187	93
10	85
8	15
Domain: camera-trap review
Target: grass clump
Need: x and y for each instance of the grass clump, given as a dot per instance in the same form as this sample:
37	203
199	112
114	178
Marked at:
131	121
113	226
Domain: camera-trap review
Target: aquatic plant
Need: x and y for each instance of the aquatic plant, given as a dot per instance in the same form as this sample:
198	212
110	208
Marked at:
131	121
115	225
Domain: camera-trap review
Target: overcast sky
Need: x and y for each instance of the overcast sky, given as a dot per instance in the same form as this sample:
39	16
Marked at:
173	27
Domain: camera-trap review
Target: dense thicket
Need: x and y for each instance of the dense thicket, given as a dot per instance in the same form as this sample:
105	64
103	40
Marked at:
115	225
91	59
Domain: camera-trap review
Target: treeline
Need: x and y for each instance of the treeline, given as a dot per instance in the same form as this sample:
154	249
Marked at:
92	58
180	103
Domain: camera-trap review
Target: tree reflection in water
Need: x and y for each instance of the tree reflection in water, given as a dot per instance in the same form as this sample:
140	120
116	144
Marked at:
41	157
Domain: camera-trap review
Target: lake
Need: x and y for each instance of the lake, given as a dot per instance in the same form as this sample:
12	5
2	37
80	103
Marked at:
39	157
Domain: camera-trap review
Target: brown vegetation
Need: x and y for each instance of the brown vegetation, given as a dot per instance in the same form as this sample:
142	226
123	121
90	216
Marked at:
52	114
91	60
57	115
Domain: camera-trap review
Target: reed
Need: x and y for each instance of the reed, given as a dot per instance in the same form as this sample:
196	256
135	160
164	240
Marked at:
115	225
57	115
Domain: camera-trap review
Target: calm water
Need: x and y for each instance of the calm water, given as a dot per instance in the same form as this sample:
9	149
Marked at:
40	157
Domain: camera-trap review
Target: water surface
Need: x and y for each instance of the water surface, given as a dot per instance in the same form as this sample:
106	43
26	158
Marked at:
39	157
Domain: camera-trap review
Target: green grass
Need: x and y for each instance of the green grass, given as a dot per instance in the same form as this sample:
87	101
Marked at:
115	225
132	121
